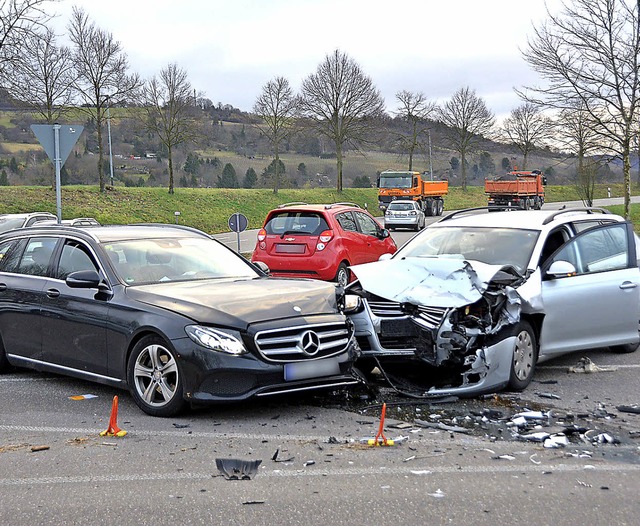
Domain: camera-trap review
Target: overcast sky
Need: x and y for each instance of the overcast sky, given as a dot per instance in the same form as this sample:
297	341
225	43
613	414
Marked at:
231	48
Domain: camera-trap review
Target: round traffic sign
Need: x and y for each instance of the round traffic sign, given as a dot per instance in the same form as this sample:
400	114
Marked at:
238	222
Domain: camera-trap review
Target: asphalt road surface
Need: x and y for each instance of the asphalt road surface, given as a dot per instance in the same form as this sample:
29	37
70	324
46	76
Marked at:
454	462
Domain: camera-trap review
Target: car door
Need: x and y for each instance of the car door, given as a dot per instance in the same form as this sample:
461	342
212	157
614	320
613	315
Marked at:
74	319
374	245
24	266
599	305
353	241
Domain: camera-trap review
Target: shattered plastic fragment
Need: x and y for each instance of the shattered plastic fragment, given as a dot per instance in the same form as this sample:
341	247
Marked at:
235	469
585	365
437	495
556	441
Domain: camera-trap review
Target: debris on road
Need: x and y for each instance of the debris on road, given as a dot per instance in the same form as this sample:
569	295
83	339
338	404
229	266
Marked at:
585	365
39	448
236	469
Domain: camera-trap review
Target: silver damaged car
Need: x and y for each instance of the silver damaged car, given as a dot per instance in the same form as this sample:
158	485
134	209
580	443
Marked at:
479	298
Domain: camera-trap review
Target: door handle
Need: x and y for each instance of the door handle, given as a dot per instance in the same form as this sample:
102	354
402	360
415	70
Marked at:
53	293
628	285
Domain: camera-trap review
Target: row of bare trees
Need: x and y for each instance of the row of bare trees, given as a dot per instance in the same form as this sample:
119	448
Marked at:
587	56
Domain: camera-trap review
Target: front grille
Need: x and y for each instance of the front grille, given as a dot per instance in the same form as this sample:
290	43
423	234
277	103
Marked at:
385	309
303	342
430	317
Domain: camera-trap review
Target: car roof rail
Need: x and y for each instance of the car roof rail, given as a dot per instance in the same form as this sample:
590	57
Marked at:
587	209
342	204
295	203
457	213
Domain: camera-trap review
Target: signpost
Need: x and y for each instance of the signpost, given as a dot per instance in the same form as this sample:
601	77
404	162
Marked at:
238	223
57	140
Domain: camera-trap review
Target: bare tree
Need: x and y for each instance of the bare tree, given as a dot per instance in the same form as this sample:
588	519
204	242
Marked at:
575	132
101	73
588	54
18	20
527	128
341	102
168	108
467	119
276	106
414	108
42	77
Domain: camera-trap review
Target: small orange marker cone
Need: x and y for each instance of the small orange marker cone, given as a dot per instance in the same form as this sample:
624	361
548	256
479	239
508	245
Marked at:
113	430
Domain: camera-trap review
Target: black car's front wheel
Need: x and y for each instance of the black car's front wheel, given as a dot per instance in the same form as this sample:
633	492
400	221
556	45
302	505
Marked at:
525	356
154	378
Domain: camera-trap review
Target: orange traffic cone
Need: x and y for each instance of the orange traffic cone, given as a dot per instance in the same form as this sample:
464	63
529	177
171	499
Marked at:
113	430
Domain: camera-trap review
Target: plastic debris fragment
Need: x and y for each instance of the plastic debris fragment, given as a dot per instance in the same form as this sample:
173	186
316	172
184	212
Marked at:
235	469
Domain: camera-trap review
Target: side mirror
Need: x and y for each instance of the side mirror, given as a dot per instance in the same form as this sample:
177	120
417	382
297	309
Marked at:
83	279
561	269
383	234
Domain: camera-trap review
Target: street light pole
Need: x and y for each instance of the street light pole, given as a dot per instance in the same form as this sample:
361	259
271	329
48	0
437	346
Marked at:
109	136
430	163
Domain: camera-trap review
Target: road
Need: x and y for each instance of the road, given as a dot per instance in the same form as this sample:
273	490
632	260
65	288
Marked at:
164	470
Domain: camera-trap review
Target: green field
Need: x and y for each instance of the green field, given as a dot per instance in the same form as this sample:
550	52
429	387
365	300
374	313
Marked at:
209	208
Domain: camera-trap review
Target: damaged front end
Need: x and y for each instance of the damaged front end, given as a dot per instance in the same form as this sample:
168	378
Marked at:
456	318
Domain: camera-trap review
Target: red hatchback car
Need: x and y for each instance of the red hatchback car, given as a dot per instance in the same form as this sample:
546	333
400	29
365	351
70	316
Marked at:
320	241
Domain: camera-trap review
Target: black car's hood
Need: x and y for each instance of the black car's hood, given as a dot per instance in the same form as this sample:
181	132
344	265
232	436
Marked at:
238	303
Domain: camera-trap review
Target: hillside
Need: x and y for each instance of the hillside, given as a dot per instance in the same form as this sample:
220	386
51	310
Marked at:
210	208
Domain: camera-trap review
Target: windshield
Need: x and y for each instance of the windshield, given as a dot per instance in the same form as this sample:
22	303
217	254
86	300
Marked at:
395	181
494	246
144	261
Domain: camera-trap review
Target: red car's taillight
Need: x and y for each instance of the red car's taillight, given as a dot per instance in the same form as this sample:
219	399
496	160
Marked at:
323	239
262	234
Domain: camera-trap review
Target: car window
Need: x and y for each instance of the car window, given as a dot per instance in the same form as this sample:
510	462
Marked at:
597	250
404	207
36	257
75	256
304	223
347	222
144	261
367	224
495	246
9	223
10	252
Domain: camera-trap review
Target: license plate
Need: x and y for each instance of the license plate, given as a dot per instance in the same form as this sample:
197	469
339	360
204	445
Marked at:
290	249
313	369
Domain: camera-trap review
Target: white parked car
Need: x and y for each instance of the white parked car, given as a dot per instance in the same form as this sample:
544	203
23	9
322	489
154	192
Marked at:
404	214
480	298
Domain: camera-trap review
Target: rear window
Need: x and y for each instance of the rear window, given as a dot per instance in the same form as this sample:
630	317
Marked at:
401	206
304	223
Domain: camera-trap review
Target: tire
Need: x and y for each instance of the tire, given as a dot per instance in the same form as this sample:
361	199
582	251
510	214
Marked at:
4	363
525	356
440	209
154	378
428	207
626	348
342	275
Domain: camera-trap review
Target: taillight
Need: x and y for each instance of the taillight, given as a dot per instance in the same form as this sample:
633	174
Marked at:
262	234
323	239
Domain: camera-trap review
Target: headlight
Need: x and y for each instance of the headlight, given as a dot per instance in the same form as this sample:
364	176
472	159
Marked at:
352	303
216	340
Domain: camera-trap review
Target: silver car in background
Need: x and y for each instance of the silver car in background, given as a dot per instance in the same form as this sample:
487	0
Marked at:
404	214
480	298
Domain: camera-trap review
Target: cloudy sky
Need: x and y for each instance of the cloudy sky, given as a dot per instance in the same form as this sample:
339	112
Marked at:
231	48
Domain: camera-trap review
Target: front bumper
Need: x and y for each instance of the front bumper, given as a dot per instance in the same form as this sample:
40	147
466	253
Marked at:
210	376
484	370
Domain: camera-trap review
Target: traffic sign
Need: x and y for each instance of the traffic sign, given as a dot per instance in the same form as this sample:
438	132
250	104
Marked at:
69	135
238	222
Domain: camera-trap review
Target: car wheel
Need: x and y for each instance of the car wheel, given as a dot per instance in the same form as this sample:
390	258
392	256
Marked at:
525	356
440	207
342	275
154	378
625	349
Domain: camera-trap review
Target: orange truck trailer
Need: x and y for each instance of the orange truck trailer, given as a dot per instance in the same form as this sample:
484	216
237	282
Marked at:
523	189
412	186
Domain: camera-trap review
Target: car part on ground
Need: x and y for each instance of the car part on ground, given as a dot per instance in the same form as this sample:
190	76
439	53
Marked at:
480	298
167	312
320	241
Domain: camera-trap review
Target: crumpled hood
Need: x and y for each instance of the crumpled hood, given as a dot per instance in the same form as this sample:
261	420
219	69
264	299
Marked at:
431	282
238	303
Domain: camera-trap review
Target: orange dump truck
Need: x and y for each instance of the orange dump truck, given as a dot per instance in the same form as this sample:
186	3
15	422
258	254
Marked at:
523	189
413	186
